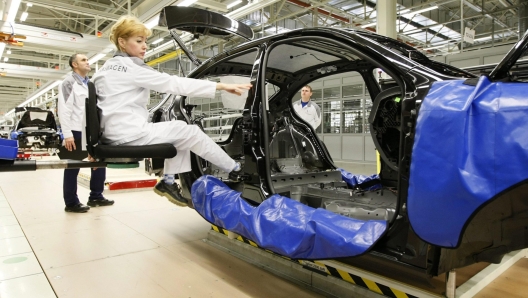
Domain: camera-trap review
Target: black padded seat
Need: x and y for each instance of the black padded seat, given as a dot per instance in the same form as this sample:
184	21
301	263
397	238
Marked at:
119	154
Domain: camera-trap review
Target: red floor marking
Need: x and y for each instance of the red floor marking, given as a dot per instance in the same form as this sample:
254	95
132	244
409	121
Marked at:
132	184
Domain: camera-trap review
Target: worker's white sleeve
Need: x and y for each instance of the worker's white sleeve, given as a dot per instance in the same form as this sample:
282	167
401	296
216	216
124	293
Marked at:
165	83
65	108
317	120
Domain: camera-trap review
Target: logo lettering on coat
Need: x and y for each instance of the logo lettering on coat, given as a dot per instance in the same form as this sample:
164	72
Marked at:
114	67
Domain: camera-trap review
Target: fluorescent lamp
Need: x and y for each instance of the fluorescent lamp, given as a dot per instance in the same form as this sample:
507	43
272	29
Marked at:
29	4
15	4
24	16
6	59
403	11
483	38
233	4
8	52
157	41
96	58
433	48
422	10
153	22
412	31
163	45
368	25
2	48
40	92
186	3
108	49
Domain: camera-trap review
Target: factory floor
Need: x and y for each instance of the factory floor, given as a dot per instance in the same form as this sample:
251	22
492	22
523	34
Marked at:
143	246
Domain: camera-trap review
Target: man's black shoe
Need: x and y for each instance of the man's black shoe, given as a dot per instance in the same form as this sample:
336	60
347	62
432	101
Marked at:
99	202
171	192
79	208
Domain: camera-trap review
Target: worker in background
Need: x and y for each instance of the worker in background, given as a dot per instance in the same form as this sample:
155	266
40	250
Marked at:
307	109
73	92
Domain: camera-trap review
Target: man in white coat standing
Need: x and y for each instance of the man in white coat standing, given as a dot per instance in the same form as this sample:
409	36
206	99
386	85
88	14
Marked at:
307	109
73	92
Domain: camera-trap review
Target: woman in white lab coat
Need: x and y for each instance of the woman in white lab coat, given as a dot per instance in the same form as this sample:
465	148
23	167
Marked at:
123	86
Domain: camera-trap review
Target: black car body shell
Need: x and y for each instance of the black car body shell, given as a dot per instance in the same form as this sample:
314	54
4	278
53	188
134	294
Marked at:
400	253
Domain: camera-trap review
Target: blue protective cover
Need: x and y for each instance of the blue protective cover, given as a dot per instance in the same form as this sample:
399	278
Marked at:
285	226
471	143
8	149
354	181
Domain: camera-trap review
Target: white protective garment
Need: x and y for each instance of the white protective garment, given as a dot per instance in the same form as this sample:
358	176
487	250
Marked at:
123	86
311	112
72	96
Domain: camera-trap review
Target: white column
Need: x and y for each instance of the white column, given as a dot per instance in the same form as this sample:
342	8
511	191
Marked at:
386	18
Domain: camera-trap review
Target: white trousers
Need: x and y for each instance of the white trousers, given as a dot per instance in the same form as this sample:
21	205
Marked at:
185	138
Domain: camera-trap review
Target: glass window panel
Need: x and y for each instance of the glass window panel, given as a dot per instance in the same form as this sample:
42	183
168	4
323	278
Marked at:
353	90
332	117
317	94
332	92
352	116
368	107
331	106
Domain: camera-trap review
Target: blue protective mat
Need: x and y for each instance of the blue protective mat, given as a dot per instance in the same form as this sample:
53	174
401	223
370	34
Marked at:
471	143
283	225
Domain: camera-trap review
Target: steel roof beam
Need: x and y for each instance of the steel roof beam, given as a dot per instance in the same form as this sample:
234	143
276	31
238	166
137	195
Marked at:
75	9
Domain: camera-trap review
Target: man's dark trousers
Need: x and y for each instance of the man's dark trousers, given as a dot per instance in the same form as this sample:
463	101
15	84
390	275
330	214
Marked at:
69	186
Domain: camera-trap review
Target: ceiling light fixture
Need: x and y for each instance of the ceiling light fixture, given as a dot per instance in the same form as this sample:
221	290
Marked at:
40	93
24	16
434	48
233	4
96	58
422	10
15	4
157	41
153	22
368	25
8	52
13	8
483	38
6	59
186	3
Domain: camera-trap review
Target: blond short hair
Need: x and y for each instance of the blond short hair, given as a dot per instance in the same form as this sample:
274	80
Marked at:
126	27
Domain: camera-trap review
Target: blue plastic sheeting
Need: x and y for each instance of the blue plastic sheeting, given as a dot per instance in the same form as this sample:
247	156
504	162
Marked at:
471	143
283	225
355	180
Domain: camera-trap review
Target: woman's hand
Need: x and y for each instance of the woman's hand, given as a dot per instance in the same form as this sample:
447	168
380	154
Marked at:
237	89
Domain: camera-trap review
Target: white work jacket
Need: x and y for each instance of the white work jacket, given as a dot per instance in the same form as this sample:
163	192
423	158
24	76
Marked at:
311	112
71	101
123	86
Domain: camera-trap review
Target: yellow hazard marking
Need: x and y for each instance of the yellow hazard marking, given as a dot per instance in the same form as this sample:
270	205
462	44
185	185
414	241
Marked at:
216	229
372	286
399	294
252	243
345	276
